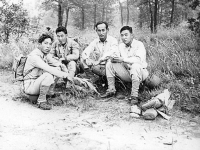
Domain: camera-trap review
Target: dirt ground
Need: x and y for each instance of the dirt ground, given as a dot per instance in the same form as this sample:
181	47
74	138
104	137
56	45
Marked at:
104	126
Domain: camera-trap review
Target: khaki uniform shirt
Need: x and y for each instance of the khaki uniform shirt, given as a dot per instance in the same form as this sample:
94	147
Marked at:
34	60
135	53
69	51
98	49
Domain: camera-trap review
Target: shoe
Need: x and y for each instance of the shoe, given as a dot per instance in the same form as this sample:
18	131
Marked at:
51	96
55	102
119	95
68	85
44	106
133	100
108	94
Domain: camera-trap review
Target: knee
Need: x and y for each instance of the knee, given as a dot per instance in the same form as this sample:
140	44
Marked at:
72	63
108	65
48	79
136	67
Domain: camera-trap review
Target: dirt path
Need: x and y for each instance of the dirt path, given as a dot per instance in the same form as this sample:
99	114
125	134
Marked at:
25	127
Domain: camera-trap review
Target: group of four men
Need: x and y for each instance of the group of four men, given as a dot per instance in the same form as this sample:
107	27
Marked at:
104	56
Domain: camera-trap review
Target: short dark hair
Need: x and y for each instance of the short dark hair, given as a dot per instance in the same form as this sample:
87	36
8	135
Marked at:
61	29
126	28
101	22
43	37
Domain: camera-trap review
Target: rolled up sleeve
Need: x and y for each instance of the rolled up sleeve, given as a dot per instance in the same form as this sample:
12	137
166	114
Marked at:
86	53
75	51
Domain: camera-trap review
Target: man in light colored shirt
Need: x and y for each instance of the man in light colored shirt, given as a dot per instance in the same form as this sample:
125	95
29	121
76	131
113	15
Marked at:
95	56
130	66
38	75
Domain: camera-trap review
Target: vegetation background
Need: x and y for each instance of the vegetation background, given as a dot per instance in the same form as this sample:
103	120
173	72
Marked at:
169	29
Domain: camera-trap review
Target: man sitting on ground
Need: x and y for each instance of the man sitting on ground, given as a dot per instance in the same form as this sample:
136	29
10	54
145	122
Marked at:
65	51
131	66
95	56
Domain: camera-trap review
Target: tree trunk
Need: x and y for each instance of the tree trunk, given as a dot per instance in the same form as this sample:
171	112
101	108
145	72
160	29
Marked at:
158	15
83	18
95	14
106	13
67	15
7	34
121	12
151	17
155	15
60	13
161	14
128	14
103	12
172	13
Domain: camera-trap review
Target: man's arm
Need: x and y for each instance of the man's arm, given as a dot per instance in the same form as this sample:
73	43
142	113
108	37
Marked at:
86	53
39	63
75	51
52	61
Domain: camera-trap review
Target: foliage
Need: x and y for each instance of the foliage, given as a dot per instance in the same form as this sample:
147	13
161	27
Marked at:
164	16
195	22
14	20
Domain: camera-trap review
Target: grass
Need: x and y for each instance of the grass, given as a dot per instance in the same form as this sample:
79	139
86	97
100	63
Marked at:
172	54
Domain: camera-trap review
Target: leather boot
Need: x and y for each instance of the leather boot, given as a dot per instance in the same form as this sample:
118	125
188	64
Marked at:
42	101
51	92
133	99
111	88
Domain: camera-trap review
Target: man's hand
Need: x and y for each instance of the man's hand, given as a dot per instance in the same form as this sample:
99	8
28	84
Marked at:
61	59
63	67
89	62
117	60
68	78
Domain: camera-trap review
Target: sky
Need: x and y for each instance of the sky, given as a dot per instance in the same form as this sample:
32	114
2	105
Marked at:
30	5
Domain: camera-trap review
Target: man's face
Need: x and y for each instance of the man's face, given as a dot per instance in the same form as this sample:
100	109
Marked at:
62	37
126	37
102	32
46	45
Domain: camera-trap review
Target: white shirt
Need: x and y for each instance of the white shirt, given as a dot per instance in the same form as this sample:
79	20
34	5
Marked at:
98	49
135	53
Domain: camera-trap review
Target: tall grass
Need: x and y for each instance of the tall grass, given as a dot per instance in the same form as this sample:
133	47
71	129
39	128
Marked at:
173	52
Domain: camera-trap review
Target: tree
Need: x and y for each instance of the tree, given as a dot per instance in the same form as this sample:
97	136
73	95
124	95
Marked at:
61	7
121	12
127	7
195	22
172	13
14	20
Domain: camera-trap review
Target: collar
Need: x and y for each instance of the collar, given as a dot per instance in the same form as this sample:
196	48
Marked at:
40	53
64	44
127	46
105	40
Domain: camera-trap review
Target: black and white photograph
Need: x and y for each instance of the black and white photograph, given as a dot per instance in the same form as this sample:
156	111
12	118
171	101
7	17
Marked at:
99	74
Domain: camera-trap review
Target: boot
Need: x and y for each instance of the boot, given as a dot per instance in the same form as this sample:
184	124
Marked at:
111	88
42	101
133	99
51	92
68	83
